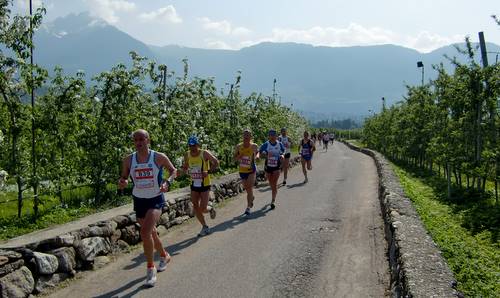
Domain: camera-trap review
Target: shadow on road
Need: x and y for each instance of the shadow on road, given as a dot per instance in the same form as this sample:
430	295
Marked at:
179	246
296	185
230	224
130	284
137	261
176	248
264	189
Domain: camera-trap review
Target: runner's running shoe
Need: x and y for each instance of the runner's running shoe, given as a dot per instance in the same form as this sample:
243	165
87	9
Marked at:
204	231
163	264
151	277
213	213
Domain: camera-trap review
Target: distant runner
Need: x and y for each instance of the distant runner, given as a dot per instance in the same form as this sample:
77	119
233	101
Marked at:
198	164
145	168
326	139
287	143
244	154
273	152
306	150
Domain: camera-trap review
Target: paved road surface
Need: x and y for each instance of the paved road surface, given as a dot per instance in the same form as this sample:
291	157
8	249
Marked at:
324	239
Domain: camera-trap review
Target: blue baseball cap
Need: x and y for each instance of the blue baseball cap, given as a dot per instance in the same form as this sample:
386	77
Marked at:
272	132
193	140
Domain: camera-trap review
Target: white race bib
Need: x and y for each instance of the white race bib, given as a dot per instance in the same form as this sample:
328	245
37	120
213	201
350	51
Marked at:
196	176
144	178
245	162
272	161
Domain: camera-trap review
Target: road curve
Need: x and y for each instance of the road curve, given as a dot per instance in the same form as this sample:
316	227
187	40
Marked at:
324	239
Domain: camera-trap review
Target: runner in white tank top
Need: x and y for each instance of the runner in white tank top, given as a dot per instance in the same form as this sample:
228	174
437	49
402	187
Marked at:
146	177
145	168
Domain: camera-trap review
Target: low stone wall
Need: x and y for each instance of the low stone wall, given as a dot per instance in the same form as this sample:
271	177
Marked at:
39	266
417	267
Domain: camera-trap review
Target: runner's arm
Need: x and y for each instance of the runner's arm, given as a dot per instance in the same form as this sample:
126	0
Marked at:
185	166
262	151
236	155
214	162
165	162
123	181
255	149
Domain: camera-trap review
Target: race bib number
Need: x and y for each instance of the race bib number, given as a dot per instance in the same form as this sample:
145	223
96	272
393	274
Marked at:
245	162
305	151
144	178
196	177
272	161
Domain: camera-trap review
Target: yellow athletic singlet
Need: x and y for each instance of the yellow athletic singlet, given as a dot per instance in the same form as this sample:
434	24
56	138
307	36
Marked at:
196	167
247	161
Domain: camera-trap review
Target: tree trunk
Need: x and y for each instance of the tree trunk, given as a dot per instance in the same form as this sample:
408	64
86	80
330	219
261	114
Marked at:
448	179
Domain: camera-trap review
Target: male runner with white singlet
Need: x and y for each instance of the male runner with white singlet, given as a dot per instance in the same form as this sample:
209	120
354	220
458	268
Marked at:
145	168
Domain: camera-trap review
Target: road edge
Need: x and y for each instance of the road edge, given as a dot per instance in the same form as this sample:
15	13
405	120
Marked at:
416	264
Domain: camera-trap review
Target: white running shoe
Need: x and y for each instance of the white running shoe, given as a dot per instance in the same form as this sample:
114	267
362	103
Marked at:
151	277
163	264
247	212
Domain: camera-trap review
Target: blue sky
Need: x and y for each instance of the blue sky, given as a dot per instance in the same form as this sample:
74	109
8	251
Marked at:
423	25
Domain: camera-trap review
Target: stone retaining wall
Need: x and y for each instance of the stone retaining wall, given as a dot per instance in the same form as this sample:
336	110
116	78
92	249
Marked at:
417	267
39	266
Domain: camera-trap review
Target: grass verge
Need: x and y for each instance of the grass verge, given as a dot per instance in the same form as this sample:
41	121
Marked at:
466	229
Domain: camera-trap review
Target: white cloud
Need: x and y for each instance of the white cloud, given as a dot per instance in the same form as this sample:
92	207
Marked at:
223	27
353	34
426	42
241	31
217	44
108	9
166	14
356	35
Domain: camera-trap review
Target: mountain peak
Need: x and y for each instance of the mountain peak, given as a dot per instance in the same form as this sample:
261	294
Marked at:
74	24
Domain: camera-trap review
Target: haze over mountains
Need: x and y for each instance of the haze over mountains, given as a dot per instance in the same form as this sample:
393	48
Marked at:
330	81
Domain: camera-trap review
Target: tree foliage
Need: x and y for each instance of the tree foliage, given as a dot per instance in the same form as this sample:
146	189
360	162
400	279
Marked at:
451	123
84	129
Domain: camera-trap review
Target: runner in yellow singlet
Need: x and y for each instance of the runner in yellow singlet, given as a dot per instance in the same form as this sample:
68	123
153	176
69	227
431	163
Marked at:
244	154
198	163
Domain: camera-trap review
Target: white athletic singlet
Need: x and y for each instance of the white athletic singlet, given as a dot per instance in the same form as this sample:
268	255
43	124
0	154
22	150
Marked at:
286	142
146	177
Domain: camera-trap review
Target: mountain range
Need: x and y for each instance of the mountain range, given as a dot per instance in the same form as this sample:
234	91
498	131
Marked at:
318	80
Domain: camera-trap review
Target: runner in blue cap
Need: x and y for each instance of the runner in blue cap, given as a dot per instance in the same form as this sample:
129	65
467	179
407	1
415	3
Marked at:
198	164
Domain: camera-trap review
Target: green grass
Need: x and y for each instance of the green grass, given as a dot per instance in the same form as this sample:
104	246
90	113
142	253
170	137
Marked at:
466	229
357	143
77	203
13	226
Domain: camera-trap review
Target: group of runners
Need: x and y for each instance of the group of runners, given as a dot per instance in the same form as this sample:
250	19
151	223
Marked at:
145	168
324	137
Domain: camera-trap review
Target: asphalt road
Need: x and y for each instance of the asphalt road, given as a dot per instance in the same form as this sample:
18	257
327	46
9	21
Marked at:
324	239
